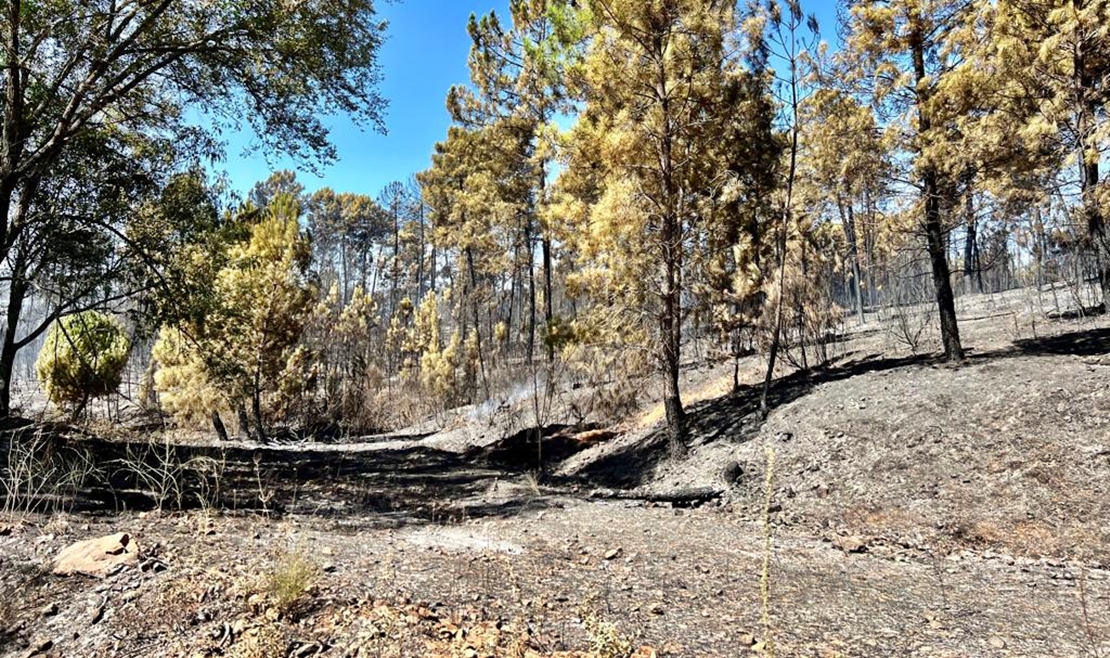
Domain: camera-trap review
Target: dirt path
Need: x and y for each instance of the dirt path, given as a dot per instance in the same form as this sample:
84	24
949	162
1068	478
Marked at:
686	582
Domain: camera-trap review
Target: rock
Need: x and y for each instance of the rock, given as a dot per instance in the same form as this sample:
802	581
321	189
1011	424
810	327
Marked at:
732	472
997	643
850	544
40	647
50	610
655	608
747	639
612	553
96	557
822	490
95	614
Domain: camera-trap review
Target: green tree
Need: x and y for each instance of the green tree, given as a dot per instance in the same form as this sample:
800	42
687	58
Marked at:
261	298
71	72
84	357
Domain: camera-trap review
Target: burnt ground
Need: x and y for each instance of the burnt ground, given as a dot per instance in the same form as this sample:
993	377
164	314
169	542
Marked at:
918	508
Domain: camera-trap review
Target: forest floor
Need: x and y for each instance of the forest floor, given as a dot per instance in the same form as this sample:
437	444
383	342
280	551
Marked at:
918	509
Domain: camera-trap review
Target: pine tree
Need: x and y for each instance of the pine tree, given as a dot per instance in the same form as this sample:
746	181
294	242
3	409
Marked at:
518	76
674	121
903	51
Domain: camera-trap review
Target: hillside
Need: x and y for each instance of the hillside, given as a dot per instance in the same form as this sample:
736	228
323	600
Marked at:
917	509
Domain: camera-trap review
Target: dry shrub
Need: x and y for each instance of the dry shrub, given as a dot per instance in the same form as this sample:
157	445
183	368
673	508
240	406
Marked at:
39	474
606	640
290	580
609	378
979	532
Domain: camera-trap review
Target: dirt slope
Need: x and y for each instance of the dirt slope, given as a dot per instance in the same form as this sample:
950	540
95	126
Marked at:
918	509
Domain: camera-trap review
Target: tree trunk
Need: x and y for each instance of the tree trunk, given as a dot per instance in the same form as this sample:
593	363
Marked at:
853	260
528	241
942	281
670	327
218	425
548	307
17	292
972	274
244	422
545	247
256	416
935	238
670	317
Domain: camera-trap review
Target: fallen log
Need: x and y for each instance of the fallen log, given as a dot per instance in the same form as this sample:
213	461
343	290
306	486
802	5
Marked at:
686	497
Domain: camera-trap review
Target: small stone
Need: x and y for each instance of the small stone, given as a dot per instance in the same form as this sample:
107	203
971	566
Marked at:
850	544
656	608
612	553
747	639
50	610
40	647
997	643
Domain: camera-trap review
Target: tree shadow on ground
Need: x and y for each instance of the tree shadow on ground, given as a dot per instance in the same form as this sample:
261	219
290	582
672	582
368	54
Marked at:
736	417
396	486
1091	342
377	484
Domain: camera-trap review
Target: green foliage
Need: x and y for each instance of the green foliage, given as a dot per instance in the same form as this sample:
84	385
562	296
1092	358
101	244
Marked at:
83	357
185	389
257	308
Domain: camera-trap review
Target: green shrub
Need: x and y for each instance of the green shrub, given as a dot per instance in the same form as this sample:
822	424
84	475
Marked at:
83	357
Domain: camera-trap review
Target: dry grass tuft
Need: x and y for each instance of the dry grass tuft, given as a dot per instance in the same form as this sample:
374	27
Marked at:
290	580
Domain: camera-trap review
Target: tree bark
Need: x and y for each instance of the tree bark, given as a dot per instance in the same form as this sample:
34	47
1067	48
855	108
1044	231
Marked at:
935	238
17	293
670	329
853	259
670	317
218	425
548	306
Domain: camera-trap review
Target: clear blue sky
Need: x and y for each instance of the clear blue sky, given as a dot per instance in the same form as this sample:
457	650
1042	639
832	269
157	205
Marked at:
425	53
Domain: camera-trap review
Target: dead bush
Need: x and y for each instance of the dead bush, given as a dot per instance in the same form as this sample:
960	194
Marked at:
290	580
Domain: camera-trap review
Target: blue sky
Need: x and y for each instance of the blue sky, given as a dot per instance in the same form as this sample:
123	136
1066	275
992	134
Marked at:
424	55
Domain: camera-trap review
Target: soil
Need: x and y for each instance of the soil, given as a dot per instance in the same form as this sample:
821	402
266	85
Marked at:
917	509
